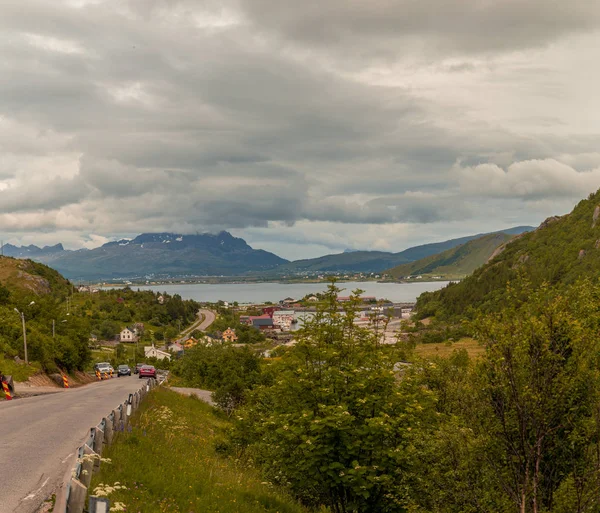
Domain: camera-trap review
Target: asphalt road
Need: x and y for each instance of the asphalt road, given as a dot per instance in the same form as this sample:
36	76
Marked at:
208	317
39	436
205	319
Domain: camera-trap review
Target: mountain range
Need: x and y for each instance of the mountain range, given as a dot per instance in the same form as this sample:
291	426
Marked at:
455	262
163	254
177	255
380	261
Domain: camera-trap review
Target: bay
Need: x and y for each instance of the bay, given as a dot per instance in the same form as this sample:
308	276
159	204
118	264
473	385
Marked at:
274	292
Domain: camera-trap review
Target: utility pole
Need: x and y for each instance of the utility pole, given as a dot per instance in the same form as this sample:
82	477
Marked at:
22	315
24	338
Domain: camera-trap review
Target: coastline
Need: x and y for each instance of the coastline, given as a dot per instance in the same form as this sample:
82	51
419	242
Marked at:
174	281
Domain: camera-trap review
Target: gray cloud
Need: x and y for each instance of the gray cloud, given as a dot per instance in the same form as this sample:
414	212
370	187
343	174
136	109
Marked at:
396	27
123	117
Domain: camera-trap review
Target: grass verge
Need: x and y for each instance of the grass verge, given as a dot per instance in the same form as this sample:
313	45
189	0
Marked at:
168	463
19	371
445	349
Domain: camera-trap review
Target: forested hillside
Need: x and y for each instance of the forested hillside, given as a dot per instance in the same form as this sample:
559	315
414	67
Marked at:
561	250
61	322
455	262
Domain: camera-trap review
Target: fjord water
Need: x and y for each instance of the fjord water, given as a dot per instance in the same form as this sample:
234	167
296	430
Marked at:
274	292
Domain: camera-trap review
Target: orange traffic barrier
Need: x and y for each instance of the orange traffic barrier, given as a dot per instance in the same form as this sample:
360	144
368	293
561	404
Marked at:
65	381
6	391
111	373
106	375
98	375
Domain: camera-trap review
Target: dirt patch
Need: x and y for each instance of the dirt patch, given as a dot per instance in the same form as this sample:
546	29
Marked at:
39	380
76	379
83	378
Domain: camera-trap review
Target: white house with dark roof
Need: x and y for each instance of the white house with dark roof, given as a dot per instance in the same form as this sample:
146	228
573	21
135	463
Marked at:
127	335
152	352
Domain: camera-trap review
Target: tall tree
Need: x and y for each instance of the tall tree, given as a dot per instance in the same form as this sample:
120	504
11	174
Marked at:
334	424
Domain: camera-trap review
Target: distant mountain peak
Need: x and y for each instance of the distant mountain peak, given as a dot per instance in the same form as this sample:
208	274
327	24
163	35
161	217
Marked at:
161	254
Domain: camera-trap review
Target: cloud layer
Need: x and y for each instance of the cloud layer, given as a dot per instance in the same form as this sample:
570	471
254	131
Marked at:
386	124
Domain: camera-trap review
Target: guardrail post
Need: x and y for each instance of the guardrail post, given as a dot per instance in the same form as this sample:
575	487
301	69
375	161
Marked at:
124	416
116	417
108	429
77	496
87	465
98	442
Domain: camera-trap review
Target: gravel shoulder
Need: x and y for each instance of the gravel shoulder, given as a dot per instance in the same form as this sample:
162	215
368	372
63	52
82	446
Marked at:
205	395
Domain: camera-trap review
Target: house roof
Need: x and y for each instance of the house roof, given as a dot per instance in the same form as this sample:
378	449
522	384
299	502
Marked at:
156	351
262	321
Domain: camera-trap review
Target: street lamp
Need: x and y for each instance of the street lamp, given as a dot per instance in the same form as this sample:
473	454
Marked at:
22	315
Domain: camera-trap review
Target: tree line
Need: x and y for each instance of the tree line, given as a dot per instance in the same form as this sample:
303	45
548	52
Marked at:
61	325
348	423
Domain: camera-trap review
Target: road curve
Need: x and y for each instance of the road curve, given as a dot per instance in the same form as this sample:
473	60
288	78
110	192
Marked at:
205	319
39	436
208	317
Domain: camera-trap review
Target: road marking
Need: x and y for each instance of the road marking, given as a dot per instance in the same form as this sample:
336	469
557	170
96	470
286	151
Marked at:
32	495
65	460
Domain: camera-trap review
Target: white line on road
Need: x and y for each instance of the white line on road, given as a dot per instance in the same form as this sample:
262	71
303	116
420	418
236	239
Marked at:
32	495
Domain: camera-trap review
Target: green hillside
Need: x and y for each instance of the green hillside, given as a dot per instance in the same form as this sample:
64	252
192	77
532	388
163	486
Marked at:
559	252
379	261
26	277
455	262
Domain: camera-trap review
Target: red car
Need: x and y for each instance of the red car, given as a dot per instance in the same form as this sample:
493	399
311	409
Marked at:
147	371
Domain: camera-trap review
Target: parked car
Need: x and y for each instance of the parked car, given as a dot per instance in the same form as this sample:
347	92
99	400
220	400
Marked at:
123	370
147	371
138	366
104	368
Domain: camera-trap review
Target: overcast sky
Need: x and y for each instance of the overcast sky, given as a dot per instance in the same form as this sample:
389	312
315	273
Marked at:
306	127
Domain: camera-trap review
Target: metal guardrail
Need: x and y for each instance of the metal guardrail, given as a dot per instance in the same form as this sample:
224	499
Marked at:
72	495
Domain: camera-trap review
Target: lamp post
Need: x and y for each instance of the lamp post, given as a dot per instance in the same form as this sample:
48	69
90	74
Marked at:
22	315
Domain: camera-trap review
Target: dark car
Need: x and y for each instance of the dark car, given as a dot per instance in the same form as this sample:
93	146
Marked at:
147	371
138	366
123	370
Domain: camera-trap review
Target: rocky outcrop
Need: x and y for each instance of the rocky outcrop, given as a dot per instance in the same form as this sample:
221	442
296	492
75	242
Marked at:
520	261
548	222
496	252
596	216
502	247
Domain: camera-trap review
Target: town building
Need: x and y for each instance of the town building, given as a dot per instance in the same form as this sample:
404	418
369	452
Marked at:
175	348
127	335
229	335
283	319
189	343
153	352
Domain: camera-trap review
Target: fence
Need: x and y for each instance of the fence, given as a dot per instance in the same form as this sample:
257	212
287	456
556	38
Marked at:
73	492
